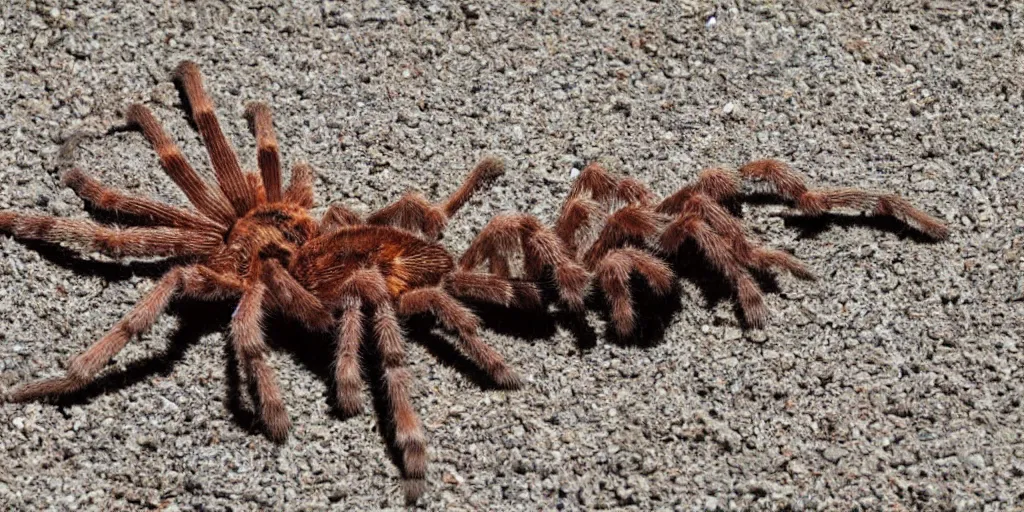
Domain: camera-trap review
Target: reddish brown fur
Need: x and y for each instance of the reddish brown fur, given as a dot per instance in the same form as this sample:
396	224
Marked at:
785	182
222	155
630	223
487	170
209	202
540	247
577	214
259	244
154	212
337	217
262	127
699	216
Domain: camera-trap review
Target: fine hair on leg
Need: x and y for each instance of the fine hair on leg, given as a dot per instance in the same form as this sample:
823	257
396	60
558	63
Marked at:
197	282
268	155
455	317
504	235
300	188
780	179
252	351
209	202
348	380
337	217
88	236
222	155
487	169
412	212
115	201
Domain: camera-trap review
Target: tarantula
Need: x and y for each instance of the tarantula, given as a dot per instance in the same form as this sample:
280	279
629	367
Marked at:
253	241
639	227
256	243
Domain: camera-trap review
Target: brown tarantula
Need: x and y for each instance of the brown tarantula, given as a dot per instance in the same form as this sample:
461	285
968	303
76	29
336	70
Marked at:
254	242
639	227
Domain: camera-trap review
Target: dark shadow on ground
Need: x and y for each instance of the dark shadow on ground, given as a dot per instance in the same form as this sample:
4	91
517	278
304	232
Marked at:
811	226
108	270
316	353
190	330
690	264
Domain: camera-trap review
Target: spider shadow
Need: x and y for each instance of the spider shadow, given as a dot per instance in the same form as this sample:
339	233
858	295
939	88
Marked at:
536	323
809	227
690	264
315	351
110	271
655	314
188	333
812	226
195	320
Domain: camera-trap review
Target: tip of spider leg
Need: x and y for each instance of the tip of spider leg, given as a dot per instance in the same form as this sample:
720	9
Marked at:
624	329
73	178
414	488
252	109
805	275
135	114
491	167
350	406
756	319
508	380
184	68
277	431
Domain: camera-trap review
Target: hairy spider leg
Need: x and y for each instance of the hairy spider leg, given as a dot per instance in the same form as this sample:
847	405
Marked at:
337	217
619	249
293	299
612	273
495	289
783	181
747	253
627	224
112	200
717	183
370	286
719	253
348	381
300	188
268	156
457	318
194	282
415	213
222	156
252	351
505	235
88	236
209	202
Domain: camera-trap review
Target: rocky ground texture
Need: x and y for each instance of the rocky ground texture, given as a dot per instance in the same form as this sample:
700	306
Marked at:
894	381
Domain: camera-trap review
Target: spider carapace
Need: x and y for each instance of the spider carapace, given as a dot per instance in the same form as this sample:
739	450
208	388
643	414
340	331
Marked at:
405	261
250	240
321	263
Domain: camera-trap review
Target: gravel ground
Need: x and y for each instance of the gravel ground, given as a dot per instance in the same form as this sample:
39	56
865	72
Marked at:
893	382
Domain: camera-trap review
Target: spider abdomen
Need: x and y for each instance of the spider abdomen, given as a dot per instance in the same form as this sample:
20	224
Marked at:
406	261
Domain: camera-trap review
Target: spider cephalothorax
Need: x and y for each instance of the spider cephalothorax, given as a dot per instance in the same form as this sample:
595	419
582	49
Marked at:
254	242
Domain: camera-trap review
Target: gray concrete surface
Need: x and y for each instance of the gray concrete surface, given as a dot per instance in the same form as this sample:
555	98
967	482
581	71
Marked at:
893	382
